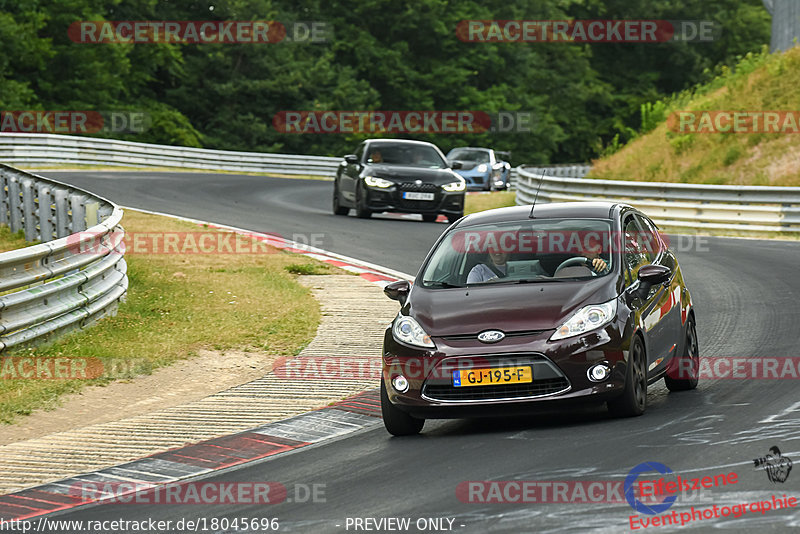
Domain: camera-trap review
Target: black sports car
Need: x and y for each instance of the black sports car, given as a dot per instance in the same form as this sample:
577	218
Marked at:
398	175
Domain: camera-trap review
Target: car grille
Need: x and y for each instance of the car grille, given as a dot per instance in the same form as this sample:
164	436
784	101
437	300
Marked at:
537	388
423	187
469	337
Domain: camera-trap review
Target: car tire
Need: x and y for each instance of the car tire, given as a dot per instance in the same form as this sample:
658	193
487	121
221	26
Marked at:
488	186
633	400
338	209
396	421
430	217
362	212
453	217
691	355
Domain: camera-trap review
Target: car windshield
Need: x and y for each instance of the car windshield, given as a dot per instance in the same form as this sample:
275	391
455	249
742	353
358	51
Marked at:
478	156
405	154
543	250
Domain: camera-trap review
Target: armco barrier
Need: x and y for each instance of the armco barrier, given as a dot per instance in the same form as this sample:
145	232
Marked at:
51	149
713	207
74	276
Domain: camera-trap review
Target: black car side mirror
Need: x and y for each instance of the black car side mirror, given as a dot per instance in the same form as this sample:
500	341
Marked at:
351	159
651	275
398	290
455	165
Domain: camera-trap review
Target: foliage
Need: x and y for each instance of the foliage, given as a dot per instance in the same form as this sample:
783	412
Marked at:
383	55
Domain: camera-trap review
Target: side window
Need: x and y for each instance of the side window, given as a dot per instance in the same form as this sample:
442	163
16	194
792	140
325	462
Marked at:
635	256
648	239
360	151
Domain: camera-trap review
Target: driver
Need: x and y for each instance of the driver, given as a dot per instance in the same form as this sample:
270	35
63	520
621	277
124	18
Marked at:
593	259
495	268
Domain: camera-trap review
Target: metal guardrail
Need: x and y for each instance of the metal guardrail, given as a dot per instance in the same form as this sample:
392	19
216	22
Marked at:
735	207
52	149
74	276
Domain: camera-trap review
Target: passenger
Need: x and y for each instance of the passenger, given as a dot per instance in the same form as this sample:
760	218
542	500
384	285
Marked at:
495	268
376	157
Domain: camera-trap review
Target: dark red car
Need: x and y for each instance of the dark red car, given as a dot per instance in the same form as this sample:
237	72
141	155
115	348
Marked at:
517	307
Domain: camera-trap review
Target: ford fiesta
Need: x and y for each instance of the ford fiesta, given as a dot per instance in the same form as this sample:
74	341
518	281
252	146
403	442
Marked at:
517	308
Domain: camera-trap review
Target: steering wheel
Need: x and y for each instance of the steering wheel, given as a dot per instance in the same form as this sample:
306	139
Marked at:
577	260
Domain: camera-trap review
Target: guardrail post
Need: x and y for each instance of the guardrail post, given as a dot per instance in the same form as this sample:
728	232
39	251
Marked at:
29	210
14	205
78	213
45	212
62	212
3	198
91	214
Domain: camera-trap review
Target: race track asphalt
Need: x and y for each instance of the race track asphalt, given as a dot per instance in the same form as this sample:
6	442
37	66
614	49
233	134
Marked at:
746	297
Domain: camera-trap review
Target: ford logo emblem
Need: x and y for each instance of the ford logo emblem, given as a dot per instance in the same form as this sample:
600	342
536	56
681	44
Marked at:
491	336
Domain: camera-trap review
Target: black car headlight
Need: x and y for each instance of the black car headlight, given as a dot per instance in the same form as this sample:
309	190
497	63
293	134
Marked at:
380	183
454	187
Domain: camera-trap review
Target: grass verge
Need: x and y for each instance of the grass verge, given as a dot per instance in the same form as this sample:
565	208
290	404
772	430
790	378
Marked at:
176	305
476	202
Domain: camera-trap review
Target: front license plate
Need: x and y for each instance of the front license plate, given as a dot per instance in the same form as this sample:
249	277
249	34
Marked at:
418	196
492	377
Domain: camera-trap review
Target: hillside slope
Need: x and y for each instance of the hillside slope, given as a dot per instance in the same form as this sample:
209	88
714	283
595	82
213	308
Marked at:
669	153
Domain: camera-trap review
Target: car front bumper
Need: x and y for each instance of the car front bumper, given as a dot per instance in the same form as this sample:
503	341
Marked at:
560	373
476	181
391	199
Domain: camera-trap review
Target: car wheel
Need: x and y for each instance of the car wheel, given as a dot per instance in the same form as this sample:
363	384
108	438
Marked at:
396	421
488	186
430	217
633	400
362	212
453	217
338	209
683	375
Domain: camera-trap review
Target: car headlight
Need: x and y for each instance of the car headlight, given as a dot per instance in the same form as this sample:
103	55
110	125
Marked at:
455	186
408	331
483	167
377	182
586	319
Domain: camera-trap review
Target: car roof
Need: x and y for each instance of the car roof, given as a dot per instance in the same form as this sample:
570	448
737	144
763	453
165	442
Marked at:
399	141
471	148
557	210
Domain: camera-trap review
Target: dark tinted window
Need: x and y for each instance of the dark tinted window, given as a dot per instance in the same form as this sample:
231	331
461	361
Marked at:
405	154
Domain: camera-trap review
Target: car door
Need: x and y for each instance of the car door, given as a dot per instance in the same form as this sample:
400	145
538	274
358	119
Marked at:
649	305
669	302
350	175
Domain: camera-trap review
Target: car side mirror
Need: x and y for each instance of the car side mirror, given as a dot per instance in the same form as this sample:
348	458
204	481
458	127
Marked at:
398	290
651	275
456	165
351	159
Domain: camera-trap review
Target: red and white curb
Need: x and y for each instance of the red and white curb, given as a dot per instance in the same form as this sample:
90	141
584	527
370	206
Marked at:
356	413
369	271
